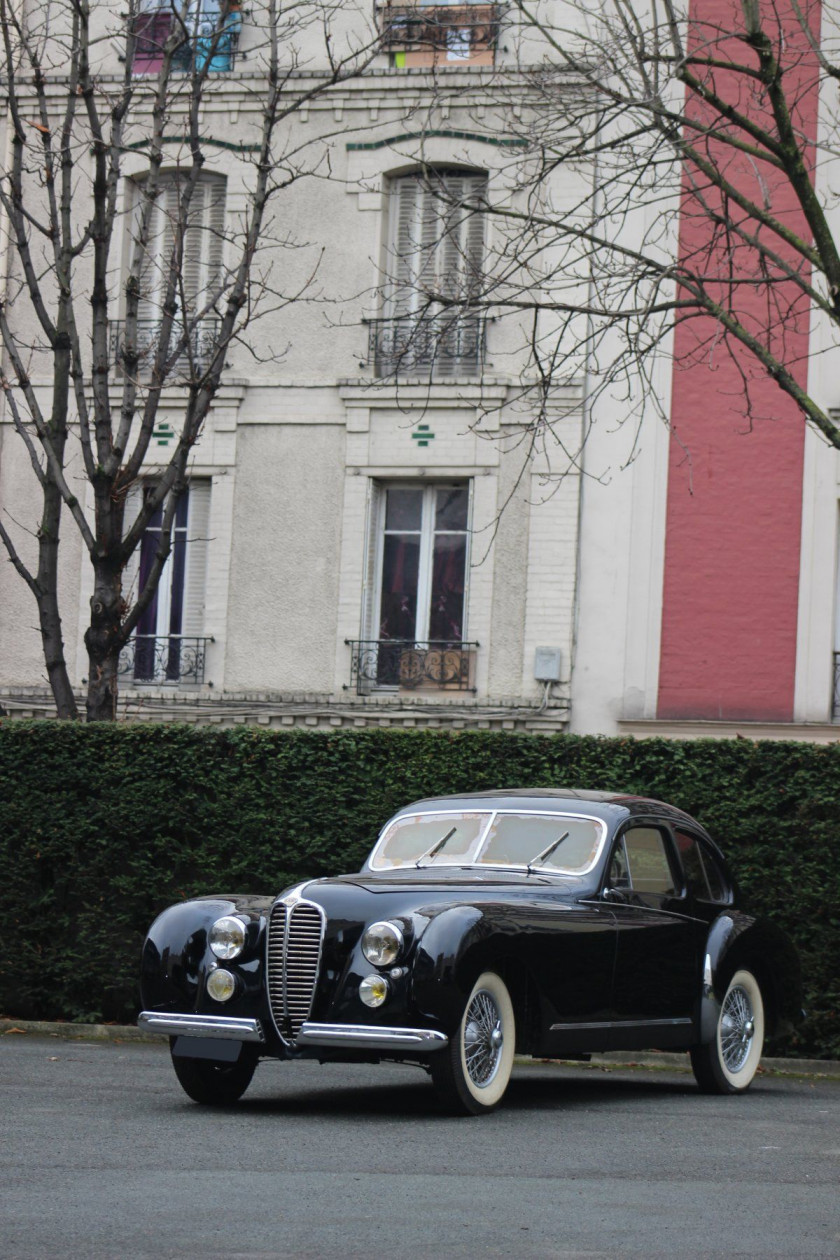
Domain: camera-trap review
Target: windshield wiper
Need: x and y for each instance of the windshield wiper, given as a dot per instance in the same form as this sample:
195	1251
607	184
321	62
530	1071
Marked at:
555	844
436	847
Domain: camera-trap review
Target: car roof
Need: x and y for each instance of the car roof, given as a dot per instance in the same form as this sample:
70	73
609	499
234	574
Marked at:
610	806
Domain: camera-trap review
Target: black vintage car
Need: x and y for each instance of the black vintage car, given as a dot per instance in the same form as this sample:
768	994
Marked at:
533	922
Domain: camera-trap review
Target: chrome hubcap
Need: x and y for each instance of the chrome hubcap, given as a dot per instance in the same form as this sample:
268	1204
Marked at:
737	1029
483	1039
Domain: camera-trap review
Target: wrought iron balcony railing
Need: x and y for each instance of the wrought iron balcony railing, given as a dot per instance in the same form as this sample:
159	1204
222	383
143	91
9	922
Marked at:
444	343
164	658
201	339
408	663
209	48
456	31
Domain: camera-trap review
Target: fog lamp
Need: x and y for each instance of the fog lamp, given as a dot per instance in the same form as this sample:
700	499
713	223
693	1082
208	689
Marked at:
221	985
373	990
227	937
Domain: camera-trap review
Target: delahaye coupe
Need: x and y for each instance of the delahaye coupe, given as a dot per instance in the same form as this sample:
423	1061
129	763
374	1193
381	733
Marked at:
548	923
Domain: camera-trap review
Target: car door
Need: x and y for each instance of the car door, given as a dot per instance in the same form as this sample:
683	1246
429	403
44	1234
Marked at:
656	981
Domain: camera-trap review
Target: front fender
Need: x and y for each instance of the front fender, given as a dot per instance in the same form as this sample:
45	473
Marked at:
176	957
455	947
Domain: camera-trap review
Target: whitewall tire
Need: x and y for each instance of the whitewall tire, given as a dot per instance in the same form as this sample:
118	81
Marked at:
729	1062
472	1073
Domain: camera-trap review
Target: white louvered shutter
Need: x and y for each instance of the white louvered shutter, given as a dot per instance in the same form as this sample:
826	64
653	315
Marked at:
195	575
131	572
370	594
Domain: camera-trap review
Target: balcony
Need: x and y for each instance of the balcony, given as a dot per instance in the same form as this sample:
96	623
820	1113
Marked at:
159	658
444	344
431	35
411	666
209	48
202	339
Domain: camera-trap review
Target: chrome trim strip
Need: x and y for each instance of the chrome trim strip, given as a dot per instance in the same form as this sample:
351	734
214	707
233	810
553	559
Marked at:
174	1024
368	1036
622	1023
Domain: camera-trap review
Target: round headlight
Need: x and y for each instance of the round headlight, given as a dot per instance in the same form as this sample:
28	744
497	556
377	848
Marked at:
381	944
373	990
227	937
221	985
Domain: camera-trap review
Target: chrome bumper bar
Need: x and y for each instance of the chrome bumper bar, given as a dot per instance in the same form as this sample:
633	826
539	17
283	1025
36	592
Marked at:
370	1037
170	1024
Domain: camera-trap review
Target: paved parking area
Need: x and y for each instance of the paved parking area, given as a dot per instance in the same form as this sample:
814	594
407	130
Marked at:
104	1157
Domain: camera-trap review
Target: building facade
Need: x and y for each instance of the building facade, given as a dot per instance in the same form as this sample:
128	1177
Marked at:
372	534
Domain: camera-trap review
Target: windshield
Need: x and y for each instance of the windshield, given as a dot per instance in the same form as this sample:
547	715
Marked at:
556	843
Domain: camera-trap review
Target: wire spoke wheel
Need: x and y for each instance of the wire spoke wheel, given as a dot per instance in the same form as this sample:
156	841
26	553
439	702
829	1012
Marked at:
472	1073
729	1062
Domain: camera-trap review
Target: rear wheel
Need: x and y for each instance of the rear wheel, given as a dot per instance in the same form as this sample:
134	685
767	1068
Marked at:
729	1062
472	1073
215	1083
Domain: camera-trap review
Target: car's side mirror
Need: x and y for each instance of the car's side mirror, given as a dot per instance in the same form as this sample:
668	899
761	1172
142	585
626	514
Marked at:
614	894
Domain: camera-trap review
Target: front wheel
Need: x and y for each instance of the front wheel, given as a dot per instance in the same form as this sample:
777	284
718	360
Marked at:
729	1062
214	1083
472	1073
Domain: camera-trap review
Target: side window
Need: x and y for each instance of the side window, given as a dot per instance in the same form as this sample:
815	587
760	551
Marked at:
718	888
692	861
705	879
650	870
619	870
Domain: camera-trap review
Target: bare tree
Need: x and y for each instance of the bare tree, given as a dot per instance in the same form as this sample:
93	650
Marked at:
667	183
101	309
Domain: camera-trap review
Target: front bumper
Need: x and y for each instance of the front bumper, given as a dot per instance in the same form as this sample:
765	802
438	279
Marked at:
172	1024
348	1036
370	1037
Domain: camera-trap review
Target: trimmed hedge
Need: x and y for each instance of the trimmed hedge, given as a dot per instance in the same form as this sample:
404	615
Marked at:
102	826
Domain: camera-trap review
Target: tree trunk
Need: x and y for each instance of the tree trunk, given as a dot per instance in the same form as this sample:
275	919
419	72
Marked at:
103	642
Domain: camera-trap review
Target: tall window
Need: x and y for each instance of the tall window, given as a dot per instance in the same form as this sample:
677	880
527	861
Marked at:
435	255
423	563
203	230
169	642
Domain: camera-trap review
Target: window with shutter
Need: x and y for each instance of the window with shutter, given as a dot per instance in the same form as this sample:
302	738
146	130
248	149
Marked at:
435	256
168	645
195	231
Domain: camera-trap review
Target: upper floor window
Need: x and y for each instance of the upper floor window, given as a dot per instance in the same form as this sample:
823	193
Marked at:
435	254
207	34
440	32
198	229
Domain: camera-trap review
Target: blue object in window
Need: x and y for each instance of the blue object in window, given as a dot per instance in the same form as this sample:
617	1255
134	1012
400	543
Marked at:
215	50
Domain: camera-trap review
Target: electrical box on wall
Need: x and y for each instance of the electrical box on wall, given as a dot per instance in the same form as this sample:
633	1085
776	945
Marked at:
547	664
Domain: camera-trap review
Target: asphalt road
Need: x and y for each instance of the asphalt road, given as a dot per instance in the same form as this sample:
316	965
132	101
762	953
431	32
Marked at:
102	1156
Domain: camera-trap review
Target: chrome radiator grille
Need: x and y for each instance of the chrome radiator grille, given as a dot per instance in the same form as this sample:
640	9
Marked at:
295	933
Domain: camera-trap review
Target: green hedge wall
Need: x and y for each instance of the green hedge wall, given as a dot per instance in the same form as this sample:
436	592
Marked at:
102	826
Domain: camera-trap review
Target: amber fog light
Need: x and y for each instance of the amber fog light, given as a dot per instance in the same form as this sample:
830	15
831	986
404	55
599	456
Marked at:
227	937
373	990
221	985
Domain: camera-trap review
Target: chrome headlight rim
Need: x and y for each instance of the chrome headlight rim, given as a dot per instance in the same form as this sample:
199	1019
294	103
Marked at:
230	937
377	956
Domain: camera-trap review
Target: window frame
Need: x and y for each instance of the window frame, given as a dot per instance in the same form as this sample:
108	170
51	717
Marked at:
426	557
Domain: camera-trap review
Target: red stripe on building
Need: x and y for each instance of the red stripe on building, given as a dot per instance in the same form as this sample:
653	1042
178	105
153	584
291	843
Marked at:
734	512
